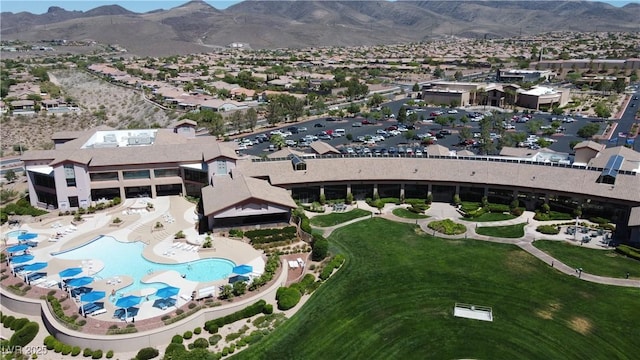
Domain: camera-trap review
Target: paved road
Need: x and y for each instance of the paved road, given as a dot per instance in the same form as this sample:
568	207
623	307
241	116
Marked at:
439	211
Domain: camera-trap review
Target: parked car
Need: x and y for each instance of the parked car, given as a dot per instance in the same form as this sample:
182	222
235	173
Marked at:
356	124
452	111
302	129
367	122
318	125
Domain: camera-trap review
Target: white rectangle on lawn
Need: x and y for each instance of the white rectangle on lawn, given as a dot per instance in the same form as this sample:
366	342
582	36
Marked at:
475	312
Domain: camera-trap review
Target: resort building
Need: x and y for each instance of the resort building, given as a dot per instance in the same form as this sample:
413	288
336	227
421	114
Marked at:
105	163
517	75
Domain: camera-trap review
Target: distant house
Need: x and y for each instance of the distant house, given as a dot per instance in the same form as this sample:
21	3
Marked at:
23	107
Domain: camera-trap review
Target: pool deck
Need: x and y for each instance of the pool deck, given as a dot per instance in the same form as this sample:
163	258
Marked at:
174	213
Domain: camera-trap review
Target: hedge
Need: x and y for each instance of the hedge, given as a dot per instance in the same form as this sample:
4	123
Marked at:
24	336
147	353
335	263
8	321
306	285
548	229
629	251
212	325
552	215
287	298
19	323
447	226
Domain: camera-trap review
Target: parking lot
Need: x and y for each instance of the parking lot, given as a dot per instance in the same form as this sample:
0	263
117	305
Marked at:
387	136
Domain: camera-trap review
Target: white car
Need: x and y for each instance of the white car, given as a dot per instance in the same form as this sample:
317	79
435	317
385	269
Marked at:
418	152
452	111
302	129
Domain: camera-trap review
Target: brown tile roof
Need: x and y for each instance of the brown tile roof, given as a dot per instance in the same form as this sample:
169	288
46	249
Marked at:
322	148
450	170
589	144
226	192
631	158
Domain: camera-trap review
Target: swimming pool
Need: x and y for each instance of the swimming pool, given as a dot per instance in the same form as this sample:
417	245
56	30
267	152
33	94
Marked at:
121	258
14	234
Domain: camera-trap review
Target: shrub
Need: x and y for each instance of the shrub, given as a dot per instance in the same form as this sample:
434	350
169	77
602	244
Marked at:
629	251
335	263
287	298
447	226
147	353
180	235
599	220
517	211
24	336
87	352
320	248
236	233
268	309
214	339
548	229
176	339
66	349
19	323
201	343
8	321
109	354
97	354
173	350
187	335
197	330
75	351
49	339
58	347
179	311
212	325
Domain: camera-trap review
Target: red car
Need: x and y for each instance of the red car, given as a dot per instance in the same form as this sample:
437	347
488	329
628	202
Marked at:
367	122
392	127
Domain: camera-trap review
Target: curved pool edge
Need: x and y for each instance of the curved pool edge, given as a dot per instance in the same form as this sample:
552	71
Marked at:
159	337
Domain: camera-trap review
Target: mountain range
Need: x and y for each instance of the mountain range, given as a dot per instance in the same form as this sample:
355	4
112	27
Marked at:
197	26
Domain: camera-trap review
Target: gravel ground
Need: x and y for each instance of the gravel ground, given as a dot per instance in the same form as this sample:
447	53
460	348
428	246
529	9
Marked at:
100	103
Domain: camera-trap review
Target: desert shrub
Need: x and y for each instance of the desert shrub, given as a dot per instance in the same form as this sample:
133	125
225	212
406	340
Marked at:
97	354
66	349
236	233
49	339
548	229
75	351
197	330
87	352
147	353
214	339
201	343
287	298
24	336
176	339
58	347
187	335
192	305
109	354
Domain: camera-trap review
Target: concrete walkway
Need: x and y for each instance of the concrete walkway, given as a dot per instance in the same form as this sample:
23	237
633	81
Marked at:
440	211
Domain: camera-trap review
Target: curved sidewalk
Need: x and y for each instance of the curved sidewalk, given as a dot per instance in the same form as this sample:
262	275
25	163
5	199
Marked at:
439	211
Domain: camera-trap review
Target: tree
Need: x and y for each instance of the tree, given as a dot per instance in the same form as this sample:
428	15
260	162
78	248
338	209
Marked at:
320	248
277	140
533	126
375	100
588	130
438	72
464	134
602	110
464	120
10	175
412	119
402	114
353	108
415	87
239	288
236	120
386	111
226	292
457	75
442	121
251	118
275	112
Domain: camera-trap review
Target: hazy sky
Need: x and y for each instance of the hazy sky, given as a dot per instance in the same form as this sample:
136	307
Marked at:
40	6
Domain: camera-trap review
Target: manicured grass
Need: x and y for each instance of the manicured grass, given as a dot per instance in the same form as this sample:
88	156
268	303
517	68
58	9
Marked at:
507	231
404	213
338	217
447	227
593	261
492	217
394	296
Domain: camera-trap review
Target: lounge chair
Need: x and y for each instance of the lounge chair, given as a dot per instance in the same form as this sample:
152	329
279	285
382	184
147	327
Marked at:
50	284
99	312
38	281
118	314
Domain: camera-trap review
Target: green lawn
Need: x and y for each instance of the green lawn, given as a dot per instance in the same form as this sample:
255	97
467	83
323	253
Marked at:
491	217
394	298
338	217
507	231
593	261
404	213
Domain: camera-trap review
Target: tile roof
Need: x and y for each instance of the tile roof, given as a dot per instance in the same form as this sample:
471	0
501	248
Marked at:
227	191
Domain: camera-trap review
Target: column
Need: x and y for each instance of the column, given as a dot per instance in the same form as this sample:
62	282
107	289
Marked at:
349	189
375	190
321	190
429	190
402	191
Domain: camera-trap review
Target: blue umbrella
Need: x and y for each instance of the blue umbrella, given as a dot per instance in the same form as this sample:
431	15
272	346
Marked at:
81	281
69	272
21	259
18	248
35	266
27	236
92	296
128	302
242	269
167	292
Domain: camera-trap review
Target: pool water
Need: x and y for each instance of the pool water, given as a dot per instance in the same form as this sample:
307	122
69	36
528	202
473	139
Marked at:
14	234
121	258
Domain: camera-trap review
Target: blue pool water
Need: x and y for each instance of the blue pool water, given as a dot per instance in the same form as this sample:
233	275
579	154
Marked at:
121	258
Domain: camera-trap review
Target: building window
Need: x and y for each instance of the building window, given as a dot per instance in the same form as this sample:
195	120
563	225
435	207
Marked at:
70	174
73	201
195	175
160	173
104	176
44	181
221	167
136	174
